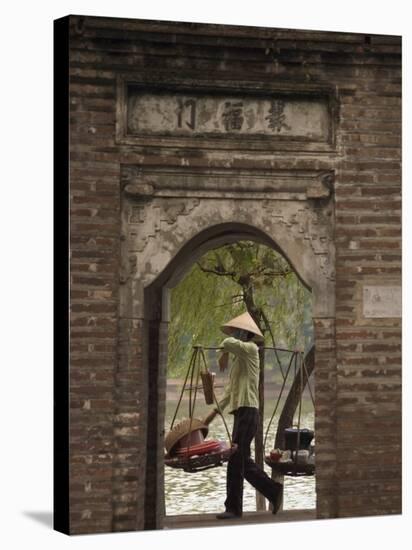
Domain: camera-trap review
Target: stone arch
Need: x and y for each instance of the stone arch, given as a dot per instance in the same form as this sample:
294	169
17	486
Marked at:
215	236
157	231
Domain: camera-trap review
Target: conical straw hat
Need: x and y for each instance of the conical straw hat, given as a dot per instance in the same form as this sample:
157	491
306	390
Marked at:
244	322
181	429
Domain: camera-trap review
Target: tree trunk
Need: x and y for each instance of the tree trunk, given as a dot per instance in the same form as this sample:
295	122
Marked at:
290	406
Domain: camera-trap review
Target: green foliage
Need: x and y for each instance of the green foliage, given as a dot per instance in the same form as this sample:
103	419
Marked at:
200	304
215	290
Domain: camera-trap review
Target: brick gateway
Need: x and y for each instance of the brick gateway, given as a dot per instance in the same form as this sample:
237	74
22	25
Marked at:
184	136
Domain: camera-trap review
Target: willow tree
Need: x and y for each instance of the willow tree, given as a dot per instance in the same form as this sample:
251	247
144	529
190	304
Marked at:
221	285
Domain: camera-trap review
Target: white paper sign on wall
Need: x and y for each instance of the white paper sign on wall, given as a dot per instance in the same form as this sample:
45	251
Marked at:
382	301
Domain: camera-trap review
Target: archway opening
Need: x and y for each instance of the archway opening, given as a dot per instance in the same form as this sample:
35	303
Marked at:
163	489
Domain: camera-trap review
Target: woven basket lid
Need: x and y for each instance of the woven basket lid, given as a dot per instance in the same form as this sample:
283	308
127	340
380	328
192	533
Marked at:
244	322
183	428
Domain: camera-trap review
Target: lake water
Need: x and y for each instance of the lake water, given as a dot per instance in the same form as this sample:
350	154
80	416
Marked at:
205	492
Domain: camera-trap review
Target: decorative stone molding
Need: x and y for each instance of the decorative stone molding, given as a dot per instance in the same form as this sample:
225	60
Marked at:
164	208
167	182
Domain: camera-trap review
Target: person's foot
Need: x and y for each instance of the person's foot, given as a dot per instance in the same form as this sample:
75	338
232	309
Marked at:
228	515
277	502
275	508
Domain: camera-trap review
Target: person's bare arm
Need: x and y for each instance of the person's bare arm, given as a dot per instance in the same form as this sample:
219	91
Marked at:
210	417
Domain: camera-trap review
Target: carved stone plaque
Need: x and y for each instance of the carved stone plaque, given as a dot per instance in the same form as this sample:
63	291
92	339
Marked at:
181	114
382	301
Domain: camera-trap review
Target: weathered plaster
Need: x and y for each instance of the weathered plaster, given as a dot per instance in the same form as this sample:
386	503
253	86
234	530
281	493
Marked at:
155	229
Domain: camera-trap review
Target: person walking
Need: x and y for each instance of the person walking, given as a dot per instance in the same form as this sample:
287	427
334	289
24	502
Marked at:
241	395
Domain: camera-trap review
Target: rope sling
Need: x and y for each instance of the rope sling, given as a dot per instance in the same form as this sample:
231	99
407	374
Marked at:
188	460
294	466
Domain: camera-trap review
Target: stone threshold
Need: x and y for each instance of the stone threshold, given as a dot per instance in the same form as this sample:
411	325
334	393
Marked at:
248	518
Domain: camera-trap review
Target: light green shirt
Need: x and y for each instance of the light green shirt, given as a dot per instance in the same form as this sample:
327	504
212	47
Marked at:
243	387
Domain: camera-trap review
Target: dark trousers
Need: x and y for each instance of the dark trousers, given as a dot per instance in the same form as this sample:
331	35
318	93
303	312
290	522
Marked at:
241	466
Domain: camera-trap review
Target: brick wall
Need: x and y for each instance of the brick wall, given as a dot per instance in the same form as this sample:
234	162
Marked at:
130	429
94	268
325	417
360	413
368	243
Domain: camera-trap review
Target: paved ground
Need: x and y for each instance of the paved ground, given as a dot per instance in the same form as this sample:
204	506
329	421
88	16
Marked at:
209	520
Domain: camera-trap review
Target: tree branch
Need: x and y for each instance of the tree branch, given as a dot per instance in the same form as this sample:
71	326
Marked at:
215	272
237	301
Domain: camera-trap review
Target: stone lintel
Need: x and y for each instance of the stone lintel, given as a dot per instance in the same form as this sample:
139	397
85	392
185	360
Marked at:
226	184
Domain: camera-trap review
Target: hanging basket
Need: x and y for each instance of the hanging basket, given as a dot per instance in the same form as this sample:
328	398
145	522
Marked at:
208	379
290	468
297	440
295	466
198	463
185	442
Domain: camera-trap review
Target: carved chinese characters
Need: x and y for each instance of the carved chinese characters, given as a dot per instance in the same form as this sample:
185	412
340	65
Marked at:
277	116
164	113
232	116
183	105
